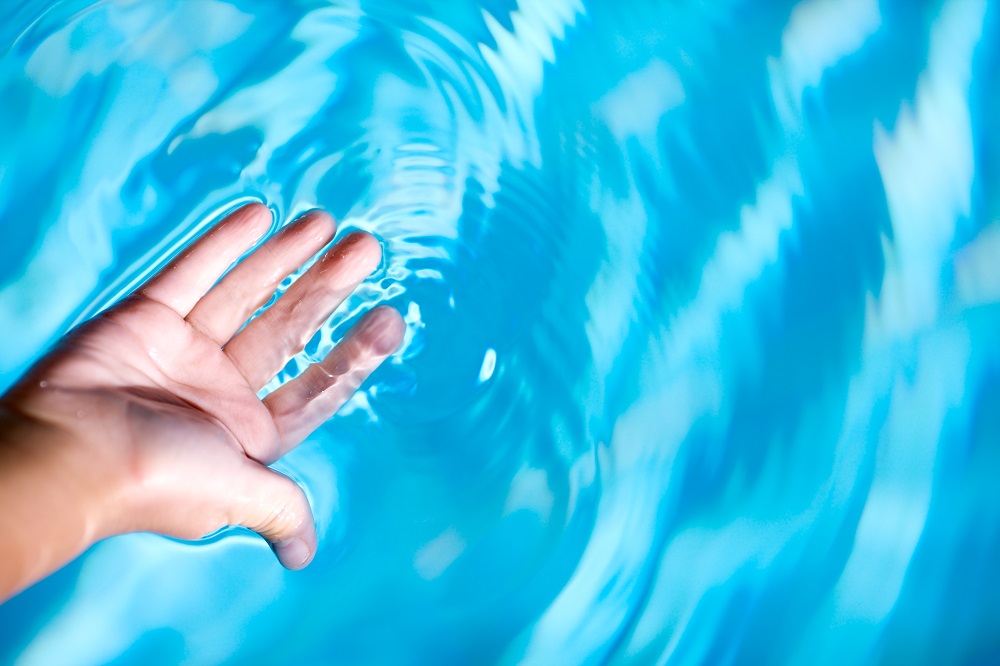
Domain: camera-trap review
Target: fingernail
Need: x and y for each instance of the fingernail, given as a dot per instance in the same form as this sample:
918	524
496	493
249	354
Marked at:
293	553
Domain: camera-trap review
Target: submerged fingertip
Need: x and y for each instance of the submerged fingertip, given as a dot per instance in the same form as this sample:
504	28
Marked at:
294	553
389	316
255	209
389	329
320	220
260	217
255	205
367	243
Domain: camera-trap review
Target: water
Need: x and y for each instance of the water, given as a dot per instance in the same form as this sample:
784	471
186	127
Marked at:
703	307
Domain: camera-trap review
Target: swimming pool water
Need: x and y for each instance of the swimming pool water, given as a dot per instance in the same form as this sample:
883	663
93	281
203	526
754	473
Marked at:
703	306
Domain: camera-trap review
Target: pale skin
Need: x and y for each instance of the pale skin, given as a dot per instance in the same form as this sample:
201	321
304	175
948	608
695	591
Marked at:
146	418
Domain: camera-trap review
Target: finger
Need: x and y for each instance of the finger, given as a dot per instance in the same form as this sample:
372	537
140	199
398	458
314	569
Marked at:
275	507
251	283
303	404
262	348
186	279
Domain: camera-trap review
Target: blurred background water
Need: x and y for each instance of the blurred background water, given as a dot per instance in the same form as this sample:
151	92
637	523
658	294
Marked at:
703	306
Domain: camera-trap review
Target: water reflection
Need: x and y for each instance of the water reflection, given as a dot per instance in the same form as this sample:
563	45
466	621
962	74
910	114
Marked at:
701	359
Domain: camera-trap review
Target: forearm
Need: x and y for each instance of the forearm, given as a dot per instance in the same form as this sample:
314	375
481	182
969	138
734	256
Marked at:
49	501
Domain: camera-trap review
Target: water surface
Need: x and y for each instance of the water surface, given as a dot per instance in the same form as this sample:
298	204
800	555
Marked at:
703	306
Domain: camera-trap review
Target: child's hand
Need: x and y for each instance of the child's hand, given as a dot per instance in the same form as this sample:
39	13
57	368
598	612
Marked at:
146	418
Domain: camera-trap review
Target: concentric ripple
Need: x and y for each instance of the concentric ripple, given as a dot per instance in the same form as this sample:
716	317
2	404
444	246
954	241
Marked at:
702	306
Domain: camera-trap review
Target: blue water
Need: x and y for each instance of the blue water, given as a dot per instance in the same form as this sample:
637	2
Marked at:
703	306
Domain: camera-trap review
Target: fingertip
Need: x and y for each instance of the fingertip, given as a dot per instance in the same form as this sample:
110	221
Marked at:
280	513
254	208
256	216
295	542
395	327
318	223
383	328
294	553
366	247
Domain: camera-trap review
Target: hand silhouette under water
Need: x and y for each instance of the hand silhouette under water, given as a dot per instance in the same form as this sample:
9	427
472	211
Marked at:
146	418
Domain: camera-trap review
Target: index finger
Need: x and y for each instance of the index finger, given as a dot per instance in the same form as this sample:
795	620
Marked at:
182	283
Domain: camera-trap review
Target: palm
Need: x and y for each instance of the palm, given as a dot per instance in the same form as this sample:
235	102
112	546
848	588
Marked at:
172	367
158	356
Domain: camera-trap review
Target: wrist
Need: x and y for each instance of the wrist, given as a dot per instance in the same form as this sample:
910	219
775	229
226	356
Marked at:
56	489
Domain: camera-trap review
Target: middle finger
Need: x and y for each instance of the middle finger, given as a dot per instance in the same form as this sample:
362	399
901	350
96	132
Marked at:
262	348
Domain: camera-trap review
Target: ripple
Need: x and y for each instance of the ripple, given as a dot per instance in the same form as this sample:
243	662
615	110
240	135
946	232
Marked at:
700	318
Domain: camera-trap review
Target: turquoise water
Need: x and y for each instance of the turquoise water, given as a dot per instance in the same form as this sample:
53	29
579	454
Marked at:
703	306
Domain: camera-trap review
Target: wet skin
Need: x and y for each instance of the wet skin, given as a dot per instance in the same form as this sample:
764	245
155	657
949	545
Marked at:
146	418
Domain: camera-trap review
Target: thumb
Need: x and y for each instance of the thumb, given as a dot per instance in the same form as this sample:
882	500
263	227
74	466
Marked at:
275	507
